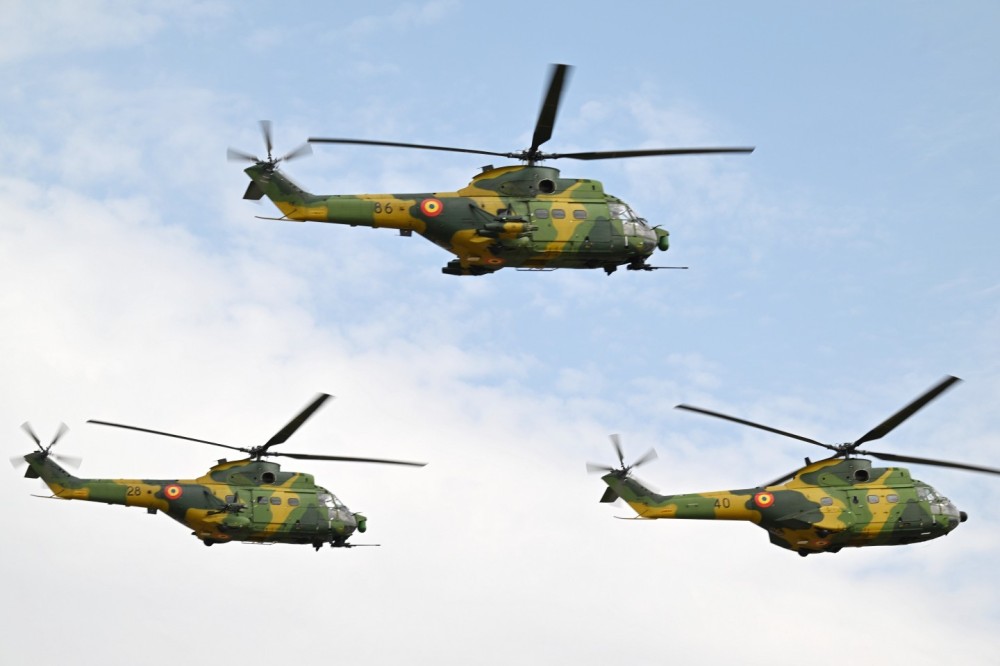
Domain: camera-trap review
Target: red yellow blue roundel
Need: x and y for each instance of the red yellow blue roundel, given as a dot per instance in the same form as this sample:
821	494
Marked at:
431	207
173	491
763	500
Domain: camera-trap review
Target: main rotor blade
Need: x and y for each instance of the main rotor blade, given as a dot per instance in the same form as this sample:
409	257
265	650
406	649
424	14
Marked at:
616	154
884	428
396	144
726	417
296	423
314	456
782	479
930	461
550	106
166	434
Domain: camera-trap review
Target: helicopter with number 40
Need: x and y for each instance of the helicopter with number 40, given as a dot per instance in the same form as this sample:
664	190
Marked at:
250	500
827	505
520	216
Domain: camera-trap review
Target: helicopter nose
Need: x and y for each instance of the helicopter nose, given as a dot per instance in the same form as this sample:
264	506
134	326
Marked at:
362	522
962	516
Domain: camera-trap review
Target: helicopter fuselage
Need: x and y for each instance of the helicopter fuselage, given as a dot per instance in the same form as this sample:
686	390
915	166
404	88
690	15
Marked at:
524	217
826	506
244	500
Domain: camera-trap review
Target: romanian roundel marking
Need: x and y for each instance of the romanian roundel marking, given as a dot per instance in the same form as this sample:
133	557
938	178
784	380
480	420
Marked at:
173	491
763	500
431	207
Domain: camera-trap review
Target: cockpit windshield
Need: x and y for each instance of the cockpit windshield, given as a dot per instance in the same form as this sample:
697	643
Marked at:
928	494
632	224
330	501
620	211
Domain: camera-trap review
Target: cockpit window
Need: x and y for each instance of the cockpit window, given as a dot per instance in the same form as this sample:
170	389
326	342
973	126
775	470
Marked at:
620	211
929	494
330	500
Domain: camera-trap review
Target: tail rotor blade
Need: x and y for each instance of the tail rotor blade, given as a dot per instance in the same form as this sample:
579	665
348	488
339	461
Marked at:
265	129
59	433
234	155
594	468
649	456
301	151
70	461
18	462
616	441
26	427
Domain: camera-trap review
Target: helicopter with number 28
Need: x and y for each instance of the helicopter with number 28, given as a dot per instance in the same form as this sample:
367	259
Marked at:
251	500
524	216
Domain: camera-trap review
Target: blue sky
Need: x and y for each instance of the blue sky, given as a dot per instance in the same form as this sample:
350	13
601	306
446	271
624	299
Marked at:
837	272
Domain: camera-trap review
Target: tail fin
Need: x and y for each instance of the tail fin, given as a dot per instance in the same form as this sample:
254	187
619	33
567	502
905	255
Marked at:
40	464
291	199
638	496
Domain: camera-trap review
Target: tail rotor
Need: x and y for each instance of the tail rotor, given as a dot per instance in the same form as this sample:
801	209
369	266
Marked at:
46	451
623	471
234	155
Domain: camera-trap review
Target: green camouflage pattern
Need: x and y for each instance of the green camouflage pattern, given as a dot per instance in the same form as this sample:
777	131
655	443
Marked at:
826	506
520	216
243	500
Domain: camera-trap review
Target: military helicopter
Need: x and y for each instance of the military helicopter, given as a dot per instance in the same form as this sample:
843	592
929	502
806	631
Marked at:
820	508
242	500
521	216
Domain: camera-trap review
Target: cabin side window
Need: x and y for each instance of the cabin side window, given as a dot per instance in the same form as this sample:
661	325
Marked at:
293	501
558	214
541	213
892	498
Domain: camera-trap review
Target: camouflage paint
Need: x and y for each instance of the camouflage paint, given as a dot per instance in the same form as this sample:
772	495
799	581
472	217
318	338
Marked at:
243	500
513	216
825	506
